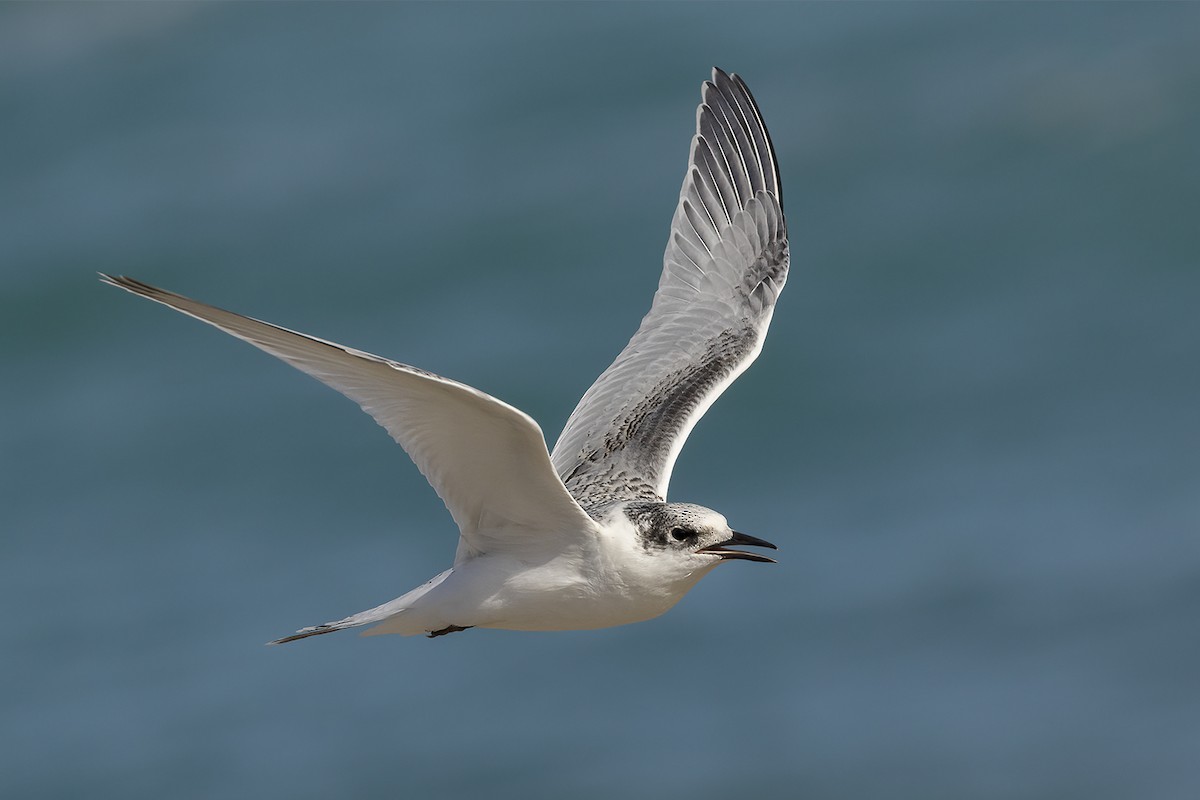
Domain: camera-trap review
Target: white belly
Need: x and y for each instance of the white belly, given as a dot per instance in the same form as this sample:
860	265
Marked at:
561	594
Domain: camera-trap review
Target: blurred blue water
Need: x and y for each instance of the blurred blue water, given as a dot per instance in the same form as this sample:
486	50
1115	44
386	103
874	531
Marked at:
985	484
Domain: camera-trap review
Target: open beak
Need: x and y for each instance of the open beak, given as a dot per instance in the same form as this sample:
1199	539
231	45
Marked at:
743	539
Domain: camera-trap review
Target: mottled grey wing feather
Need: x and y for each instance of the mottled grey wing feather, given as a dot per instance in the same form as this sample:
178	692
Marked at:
725	264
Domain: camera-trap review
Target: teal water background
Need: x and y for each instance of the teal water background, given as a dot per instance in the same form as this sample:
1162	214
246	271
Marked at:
973	430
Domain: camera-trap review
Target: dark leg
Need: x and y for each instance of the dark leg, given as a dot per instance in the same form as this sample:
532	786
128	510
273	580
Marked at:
448	629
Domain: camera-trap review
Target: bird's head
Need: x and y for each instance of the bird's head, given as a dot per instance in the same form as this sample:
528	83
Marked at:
692	535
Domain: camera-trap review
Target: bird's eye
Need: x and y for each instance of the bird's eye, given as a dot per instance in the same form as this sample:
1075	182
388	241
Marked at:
682	534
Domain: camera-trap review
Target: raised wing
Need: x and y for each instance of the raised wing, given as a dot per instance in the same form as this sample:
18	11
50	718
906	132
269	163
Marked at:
725	265
485	459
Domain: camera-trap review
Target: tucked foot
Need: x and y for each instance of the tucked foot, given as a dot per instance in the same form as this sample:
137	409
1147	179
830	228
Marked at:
448	629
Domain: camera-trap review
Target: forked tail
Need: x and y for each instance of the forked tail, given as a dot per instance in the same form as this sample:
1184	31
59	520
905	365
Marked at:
317	630
389	610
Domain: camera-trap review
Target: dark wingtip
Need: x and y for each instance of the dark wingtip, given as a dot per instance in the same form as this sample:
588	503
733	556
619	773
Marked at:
131	285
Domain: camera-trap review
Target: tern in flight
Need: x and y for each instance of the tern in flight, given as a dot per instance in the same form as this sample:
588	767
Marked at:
583	536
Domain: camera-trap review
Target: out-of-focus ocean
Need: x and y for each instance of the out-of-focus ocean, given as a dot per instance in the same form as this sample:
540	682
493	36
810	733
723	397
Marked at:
974	430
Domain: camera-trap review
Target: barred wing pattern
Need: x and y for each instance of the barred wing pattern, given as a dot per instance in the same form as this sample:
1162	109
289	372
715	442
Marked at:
725	265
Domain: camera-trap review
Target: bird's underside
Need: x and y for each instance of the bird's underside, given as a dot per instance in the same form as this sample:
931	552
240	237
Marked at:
571	539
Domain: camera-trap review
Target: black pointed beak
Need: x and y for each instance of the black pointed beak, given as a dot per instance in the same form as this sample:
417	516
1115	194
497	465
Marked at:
743	540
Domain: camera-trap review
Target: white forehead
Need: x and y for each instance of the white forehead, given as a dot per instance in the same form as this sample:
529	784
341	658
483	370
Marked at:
699	516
